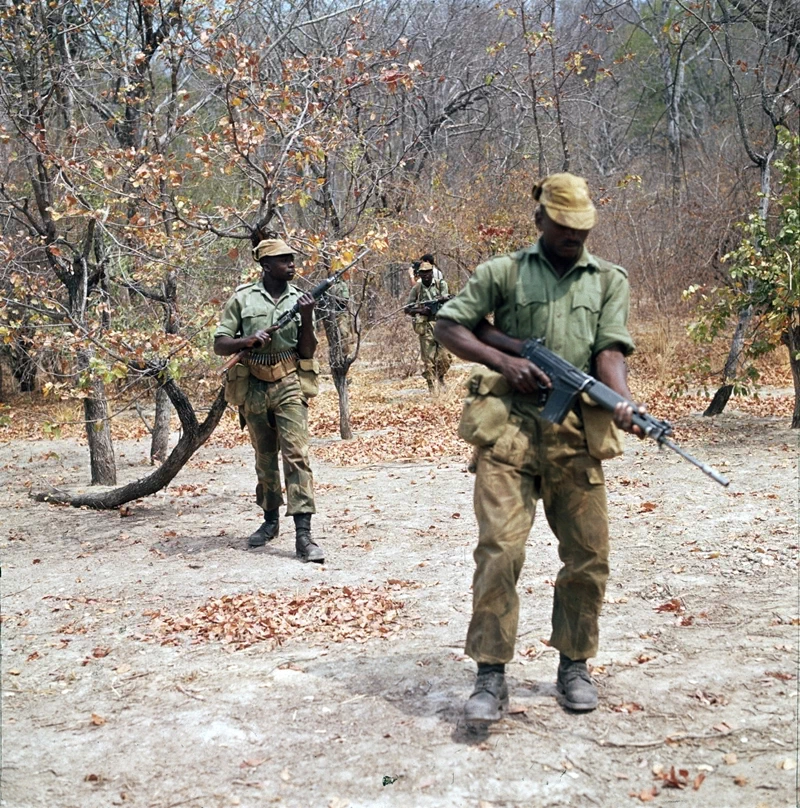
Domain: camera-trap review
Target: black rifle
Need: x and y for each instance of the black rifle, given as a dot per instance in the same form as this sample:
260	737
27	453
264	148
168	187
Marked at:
317	292
569	382
432	306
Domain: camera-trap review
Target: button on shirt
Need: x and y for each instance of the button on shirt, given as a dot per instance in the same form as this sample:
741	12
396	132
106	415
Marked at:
251	308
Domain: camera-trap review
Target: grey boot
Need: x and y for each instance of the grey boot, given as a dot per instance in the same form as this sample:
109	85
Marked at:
305	547
576	685
267	531
489	698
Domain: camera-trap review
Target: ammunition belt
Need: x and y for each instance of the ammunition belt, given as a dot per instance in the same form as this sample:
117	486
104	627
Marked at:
271	358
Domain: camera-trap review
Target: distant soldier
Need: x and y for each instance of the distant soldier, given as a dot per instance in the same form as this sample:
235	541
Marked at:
271	387
413	272
424	300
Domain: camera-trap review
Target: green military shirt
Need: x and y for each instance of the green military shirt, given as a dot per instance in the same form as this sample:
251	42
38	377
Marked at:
420	292
251	308
578	315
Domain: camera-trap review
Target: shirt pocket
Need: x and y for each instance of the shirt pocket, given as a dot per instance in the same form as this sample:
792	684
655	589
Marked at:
254	319
585	314
532	311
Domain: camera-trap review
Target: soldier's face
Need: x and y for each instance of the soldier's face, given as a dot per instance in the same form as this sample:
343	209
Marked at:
426	276
280	267
561	242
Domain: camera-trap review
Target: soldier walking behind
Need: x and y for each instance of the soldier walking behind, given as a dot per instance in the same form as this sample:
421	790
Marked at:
558	291
435	358
272	385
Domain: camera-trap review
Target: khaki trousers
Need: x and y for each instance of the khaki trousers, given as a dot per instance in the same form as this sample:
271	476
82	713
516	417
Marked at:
535	460
277	420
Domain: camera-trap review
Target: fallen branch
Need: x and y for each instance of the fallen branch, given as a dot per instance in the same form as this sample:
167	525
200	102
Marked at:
193	436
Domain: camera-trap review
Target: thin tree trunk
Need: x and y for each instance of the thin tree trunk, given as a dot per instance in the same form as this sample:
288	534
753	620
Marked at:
98	432
723	394
159	445
340	383
193	437
791	339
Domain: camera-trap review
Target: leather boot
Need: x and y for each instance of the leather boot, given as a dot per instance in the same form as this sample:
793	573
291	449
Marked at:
576	685
488	699
267	532
305	547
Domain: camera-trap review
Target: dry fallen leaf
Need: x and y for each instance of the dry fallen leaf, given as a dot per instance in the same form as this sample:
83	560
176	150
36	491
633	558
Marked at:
252	763
787	764
740	780
698	781
730	759
517	709
97	720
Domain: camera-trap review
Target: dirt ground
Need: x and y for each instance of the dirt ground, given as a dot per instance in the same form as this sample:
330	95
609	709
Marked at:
106	702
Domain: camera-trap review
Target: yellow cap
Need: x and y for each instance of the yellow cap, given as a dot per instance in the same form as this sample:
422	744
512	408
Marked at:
566	199
271	246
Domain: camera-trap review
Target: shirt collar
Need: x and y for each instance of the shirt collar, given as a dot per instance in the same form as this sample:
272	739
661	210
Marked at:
585	260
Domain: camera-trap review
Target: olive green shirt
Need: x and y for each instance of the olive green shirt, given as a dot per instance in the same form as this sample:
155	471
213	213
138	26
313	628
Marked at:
420	293
577	315
251	308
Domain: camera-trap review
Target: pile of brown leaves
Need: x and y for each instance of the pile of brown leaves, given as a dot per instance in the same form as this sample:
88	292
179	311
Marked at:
326	613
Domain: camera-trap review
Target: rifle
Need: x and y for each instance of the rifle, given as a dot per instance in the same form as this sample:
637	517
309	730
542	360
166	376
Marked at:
317	292
569	382
431	306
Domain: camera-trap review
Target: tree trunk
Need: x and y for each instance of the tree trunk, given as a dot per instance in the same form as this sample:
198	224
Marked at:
723	394
98	432
791	339
193	437
340	383
159	445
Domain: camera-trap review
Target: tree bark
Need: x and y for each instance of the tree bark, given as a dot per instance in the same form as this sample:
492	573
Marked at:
98	432
723	394
791	339
159	445
193	437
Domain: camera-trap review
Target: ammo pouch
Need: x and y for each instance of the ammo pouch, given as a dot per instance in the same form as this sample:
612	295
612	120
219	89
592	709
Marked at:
603	438
272	373
420	325
486	408
308	376
237	381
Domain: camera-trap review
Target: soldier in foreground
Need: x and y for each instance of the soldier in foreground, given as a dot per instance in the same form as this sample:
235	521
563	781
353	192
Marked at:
557	291
271	386
425	298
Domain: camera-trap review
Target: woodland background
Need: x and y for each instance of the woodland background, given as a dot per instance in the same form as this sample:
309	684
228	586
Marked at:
141	142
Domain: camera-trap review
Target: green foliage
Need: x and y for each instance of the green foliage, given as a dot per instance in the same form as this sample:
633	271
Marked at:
764	271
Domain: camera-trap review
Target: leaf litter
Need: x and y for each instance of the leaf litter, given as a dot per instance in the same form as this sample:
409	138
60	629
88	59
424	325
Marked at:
327	613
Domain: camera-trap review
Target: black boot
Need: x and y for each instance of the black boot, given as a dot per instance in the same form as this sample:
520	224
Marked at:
489	698
576	685
267	532
305	547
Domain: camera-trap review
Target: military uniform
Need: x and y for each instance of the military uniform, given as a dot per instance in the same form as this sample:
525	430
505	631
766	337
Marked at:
435	358
274	406
578	315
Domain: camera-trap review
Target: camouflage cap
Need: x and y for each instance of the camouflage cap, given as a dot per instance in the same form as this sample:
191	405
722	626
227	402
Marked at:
426	267
271	246
566	199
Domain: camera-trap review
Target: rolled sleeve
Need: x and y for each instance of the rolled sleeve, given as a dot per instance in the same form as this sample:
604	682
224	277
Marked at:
612	328
475	300
230	322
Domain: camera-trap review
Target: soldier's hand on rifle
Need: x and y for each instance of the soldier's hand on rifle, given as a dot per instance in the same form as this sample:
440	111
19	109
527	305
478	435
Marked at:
258	340
623	418
306	305
523	375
